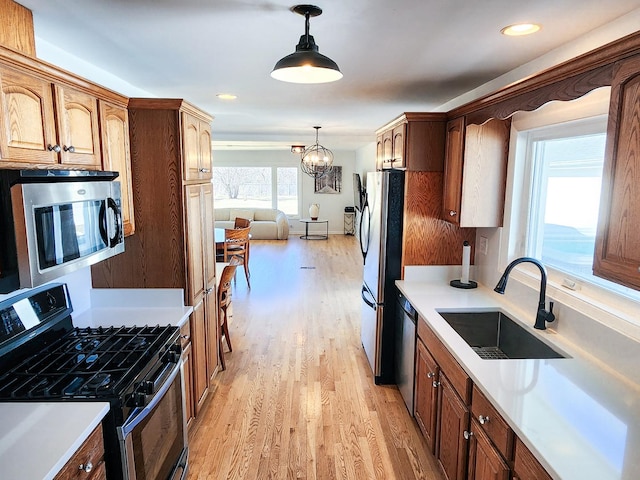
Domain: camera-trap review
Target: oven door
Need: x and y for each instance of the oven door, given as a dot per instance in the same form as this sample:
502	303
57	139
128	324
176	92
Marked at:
154	437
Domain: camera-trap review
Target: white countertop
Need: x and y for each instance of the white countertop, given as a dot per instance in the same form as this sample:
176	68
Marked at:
580	420
115	307
39	438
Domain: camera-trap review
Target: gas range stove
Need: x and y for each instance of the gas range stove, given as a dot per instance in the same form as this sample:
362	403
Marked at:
87	363
137	370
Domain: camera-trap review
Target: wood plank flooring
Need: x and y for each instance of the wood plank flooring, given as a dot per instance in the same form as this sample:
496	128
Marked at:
297	399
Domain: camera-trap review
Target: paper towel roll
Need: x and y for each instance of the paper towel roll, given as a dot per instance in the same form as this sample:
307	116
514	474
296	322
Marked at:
466	258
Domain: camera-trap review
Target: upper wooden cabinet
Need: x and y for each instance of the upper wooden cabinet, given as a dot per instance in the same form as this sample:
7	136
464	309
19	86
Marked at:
413	141
47	123
617	254
28	121
78	133
475	172
116	155
197	148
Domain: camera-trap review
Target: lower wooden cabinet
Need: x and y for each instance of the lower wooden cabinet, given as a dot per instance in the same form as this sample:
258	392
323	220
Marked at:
426	404
187	371
454	421
485	462
88	462
525	465
465	432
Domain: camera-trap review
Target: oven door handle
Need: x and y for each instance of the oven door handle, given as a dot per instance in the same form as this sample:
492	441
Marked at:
139	414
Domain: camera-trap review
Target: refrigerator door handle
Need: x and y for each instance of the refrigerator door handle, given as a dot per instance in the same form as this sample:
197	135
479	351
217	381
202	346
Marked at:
368	298
364	230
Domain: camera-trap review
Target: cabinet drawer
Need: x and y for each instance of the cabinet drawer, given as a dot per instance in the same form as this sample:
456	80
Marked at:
185	334
492	423
91	452
525	465
458	378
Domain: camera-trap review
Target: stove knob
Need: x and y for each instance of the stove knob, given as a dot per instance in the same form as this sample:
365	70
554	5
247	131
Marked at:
139	399
146	387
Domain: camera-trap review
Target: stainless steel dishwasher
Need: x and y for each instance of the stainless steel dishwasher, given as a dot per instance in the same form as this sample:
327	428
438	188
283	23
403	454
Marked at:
405	350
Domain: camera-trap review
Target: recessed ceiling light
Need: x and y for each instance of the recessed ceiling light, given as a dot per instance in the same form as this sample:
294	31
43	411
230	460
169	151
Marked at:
226	96
518	29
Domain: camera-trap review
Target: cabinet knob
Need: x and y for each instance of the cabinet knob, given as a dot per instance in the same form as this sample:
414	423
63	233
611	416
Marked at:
86	467
435	384
467	435
69	149
482	419
452	213
184	337
431	375
204	170
54	148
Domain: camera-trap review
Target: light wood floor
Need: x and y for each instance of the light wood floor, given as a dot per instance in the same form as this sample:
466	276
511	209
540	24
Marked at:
297	399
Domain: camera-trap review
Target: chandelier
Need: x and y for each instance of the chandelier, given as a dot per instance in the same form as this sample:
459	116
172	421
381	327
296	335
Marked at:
317	161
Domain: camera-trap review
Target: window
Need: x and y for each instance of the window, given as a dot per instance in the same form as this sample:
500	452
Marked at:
565	168
257	187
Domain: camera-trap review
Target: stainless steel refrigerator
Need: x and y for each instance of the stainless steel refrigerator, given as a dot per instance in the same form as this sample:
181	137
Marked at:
381	245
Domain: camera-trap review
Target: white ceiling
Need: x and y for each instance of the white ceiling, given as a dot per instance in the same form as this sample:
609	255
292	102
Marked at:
396	55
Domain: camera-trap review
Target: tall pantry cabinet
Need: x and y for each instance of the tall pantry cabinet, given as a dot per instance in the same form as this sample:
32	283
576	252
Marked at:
173	246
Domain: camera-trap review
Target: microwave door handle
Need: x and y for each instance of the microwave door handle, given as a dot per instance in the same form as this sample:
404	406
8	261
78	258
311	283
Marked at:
117	215
102	223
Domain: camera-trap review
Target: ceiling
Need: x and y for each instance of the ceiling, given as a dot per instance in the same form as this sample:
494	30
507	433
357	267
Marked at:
396	55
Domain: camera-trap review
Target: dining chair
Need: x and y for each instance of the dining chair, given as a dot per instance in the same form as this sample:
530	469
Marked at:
236	244
241	222
224	301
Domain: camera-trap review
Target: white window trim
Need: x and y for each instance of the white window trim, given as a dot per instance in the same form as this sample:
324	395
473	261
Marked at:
612	309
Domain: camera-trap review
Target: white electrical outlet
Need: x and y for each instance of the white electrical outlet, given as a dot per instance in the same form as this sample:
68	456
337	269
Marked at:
483	246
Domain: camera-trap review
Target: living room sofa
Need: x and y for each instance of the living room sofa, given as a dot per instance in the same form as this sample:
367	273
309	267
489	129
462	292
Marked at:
266	223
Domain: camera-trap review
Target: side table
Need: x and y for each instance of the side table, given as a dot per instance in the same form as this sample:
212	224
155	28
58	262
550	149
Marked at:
314	236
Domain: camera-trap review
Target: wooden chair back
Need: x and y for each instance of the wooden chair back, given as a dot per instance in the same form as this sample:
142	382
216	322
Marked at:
241	223
235	242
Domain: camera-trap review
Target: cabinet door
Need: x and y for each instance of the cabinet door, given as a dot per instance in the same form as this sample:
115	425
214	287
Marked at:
379	153
387	148
187	377
525	465
427	372
399	134
205	162
27	119
485	463
454	420
453	163
77	115
199	355
195	242
116	155
617	254
191	146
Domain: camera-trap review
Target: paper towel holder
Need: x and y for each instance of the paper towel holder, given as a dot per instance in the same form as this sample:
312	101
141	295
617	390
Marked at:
464	282
459	284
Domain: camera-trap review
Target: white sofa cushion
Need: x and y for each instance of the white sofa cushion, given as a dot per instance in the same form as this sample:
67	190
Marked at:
241	213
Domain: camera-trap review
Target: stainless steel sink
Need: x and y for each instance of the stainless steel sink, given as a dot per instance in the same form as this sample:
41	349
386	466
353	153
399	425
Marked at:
493	335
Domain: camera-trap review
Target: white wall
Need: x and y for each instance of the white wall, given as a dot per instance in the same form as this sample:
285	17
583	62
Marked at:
331	205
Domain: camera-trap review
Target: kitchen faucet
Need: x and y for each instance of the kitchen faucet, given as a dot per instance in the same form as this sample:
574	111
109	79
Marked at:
542	316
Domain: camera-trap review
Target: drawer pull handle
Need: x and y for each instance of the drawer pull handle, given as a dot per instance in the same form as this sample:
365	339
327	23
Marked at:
467	435
483	419
86	467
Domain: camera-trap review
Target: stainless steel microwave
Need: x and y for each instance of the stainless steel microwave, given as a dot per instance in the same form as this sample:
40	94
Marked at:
55	222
